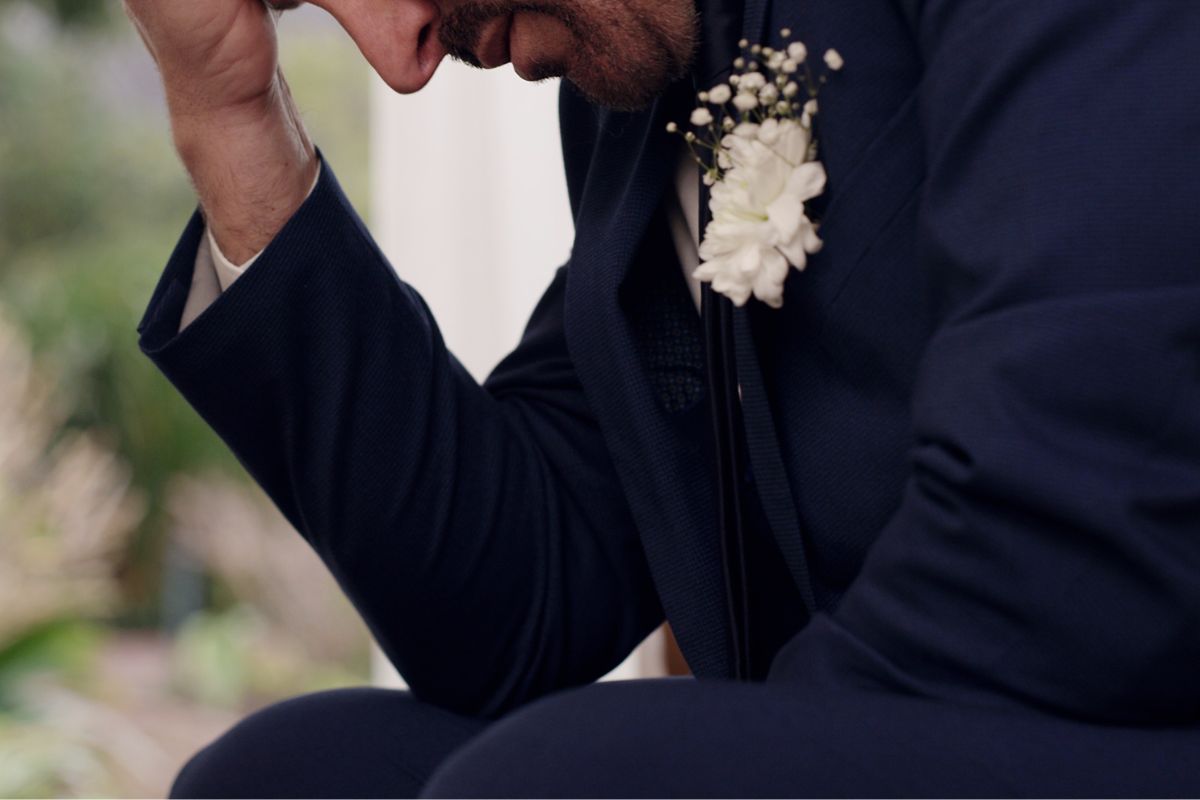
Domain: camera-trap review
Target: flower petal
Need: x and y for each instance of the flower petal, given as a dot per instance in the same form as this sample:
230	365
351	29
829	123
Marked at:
787	214
807	181
812	242
769	291
793	250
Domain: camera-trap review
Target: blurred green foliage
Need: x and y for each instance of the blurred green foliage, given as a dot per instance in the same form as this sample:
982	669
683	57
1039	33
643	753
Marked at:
63	646
229	659
92	200
79	13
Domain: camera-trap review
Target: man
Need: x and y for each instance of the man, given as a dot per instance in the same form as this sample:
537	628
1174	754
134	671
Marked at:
941	540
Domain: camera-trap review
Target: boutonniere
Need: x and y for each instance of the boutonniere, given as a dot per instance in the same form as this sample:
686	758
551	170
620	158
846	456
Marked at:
757	147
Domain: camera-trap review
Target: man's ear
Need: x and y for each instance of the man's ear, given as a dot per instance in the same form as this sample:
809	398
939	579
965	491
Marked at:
399	38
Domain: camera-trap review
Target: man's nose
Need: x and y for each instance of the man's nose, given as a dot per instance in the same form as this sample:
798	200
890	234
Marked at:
398	37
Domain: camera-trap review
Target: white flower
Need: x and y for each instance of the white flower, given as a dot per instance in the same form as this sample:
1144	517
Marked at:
672	127
770	131
746	130
745	101
720	94
764	170
759	227
752	82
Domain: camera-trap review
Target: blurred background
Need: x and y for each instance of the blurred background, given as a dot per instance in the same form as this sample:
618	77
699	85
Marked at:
150	594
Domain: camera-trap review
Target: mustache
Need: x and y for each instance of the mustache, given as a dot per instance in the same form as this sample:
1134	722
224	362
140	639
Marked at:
461	28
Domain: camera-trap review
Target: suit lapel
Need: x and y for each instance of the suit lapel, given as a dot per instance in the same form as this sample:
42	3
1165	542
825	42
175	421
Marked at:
723	23
665	472
755	21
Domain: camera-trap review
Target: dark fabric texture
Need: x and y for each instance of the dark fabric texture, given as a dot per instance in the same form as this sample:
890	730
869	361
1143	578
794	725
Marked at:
824	738
974	425
345	743
682	738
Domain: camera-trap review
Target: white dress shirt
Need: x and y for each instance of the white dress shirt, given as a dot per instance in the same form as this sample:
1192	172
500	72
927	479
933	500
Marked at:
214	273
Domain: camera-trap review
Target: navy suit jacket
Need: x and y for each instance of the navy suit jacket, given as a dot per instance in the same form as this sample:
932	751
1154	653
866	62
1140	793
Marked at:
974	425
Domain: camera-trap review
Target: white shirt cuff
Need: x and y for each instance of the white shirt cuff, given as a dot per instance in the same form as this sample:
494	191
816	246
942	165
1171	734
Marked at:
227	271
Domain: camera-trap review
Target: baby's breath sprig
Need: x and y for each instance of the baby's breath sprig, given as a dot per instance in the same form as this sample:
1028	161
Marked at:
766	84
754	139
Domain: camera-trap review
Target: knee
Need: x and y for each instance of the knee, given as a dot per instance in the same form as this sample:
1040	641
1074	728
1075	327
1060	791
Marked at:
346	743
195	779
509	759
582	742
221	769
258	756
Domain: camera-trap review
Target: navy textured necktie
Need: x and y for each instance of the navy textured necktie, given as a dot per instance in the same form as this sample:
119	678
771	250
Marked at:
721	24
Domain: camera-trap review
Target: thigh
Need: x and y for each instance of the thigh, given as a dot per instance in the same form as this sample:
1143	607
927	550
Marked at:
346	743
714	739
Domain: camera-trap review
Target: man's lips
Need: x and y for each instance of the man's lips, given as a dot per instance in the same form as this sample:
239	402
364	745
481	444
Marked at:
492	47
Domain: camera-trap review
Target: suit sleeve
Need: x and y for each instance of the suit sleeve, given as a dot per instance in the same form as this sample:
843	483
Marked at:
1047	547
213	273
479	530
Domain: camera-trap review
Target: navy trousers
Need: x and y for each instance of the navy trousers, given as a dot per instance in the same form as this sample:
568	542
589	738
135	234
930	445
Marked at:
680	737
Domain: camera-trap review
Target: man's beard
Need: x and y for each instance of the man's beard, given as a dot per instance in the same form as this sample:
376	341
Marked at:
622	59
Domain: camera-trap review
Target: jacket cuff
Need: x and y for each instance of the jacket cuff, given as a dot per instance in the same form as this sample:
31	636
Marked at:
162	323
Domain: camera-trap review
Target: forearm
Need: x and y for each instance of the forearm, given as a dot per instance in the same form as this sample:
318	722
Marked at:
214	273
252	166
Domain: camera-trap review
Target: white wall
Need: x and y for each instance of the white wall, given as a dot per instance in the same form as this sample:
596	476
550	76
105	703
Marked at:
470	204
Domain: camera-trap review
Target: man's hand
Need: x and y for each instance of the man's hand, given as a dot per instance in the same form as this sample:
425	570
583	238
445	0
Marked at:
233	119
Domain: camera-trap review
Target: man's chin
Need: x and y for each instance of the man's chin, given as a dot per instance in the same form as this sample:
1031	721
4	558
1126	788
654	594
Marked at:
536	71
619	96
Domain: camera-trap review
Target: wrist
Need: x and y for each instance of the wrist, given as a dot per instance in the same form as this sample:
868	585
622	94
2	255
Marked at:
252	165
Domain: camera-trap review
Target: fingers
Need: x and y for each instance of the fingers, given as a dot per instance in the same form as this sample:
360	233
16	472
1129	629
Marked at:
137	26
